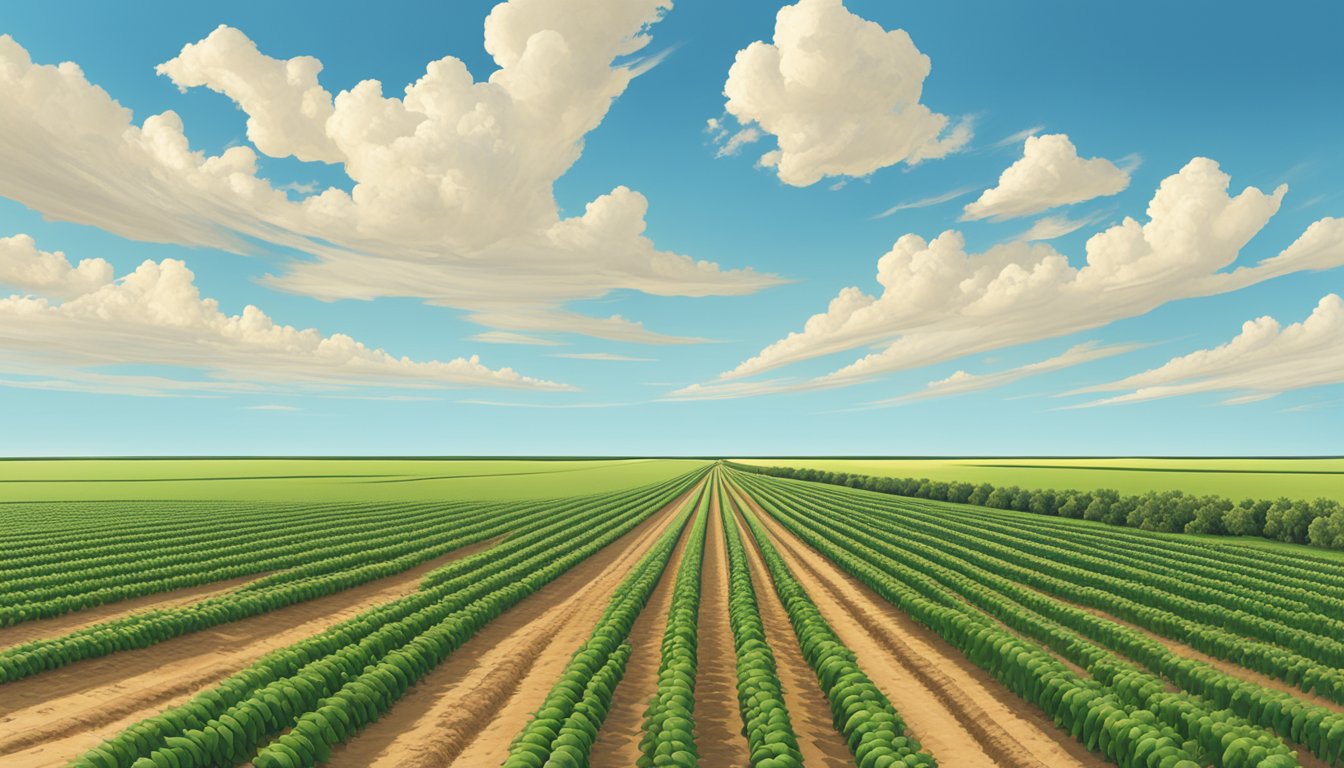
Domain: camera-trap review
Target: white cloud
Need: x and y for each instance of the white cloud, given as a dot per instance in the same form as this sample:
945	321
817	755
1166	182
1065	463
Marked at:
926	201
473	226
734	144
1017	138
961	382
156	316
24	267
605	356
509	337
939	302
1263	360
839	93
1049	174
1051	227
544	406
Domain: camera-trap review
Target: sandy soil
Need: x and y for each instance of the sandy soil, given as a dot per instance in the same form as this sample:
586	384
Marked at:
810	712
468	709
617	744
67	623
959	713
1227	667
718	719
49	719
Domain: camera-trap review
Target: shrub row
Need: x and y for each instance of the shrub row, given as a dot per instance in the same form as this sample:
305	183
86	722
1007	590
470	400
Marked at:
1319	522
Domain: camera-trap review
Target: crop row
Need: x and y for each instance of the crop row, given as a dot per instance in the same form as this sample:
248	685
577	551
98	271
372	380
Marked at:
1124	734
562	732
1223	736
864	716
1317	728
145	629
1105	593
669	721
331	549
771	740
327	687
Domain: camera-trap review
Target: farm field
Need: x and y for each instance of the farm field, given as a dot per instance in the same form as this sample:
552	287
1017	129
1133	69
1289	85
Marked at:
1234	478
618	613
321	479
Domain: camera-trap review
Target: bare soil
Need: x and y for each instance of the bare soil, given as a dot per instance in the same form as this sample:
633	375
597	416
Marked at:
958	712
52	718
718	717
617	744
64	624
810	712
468	709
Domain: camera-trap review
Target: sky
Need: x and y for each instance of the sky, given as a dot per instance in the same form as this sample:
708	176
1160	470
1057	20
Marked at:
643	228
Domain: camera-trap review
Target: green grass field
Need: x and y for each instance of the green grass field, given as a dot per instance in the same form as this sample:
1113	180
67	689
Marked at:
1234	478
323	479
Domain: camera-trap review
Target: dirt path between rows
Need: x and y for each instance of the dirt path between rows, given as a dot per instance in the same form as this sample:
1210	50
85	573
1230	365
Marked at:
959	713
617	744
52	718
809	710
1227	667
718	717
468	709
64	624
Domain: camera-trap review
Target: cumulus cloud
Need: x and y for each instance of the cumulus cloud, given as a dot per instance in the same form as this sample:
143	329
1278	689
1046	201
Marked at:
156	316
961	382
1049	174
840	94
25	268
939	302
1263	360
452	197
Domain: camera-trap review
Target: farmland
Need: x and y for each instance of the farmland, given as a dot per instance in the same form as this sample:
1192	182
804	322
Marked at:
1306	478
618	613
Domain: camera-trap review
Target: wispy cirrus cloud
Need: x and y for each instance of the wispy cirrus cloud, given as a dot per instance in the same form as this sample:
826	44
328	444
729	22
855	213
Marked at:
1265	359
927	202
961	382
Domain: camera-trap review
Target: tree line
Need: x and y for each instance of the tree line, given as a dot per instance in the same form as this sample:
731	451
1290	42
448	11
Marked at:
1319	522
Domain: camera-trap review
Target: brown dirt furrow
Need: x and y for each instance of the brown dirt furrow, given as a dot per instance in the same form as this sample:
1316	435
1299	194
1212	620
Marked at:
69	622
718	718
818	740
51	718
617	744
1227	667
957	711
469	708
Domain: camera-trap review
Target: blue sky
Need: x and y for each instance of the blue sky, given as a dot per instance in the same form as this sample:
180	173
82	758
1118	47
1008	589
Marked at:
98	365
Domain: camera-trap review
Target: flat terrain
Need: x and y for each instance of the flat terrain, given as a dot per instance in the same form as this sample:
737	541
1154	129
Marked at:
439	629
1234	478
321	479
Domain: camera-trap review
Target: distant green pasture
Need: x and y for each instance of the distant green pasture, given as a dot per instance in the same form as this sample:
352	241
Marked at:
1234	478
323	479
